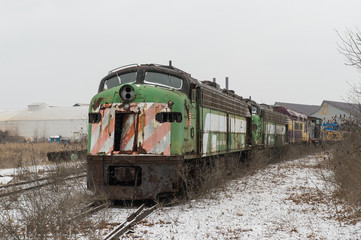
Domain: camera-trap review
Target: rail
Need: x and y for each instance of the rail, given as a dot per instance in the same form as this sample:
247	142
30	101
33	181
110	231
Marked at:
36	184
131	220
90	209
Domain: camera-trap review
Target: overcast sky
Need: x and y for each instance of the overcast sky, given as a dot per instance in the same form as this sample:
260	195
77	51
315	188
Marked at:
273	50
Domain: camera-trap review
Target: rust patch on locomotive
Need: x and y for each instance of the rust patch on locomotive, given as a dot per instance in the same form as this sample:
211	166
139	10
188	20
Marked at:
96	103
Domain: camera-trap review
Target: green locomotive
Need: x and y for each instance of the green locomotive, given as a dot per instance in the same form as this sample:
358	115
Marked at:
147	121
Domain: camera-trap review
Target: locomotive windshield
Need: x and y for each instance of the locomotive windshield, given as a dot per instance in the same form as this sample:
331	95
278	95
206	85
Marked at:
142	77
120	79
163	79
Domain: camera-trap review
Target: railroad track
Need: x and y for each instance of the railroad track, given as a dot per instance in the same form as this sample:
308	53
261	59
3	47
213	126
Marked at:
34	184
90	209
131	220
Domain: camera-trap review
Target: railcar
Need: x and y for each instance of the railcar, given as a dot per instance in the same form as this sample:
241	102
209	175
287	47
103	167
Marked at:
297	125
147	121
269	127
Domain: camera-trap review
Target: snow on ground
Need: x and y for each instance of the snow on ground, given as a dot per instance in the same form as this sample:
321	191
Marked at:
285	201
7	175
5	180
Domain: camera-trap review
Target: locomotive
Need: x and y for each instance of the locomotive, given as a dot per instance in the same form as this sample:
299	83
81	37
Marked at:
147	121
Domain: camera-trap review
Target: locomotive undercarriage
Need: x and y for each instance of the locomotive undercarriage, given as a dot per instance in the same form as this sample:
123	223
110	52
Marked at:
131	177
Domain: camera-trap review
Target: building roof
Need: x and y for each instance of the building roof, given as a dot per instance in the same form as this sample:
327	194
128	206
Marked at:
300	108
41	111
350	108
80	104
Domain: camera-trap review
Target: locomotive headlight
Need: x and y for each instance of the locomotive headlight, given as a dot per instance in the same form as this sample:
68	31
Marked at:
126	106
127	93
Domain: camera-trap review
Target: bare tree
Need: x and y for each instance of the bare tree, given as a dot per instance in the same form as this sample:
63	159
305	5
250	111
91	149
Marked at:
350	47
346	156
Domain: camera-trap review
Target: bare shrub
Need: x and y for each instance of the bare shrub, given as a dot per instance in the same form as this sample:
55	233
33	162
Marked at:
346	158
346	165
261	158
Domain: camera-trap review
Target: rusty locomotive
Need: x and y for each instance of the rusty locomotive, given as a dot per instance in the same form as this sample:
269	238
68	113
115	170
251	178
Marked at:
147	121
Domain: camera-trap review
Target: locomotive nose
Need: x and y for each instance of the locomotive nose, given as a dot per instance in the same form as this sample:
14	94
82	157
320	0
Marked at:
127	93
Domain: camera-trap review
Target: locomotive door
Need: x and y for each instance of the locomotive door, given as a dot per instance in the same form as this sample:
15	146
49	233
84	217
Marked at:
196	98
228	134
124	122
199	120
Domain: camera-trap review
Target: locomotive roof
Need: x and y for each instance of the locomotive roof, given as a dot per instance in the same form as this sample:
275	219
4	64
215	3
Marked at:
207	86
170	70
155	67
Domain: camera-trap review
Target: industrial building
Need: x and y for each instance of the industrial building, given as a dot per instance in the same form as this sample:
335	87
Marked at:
331	111
39	122
333	115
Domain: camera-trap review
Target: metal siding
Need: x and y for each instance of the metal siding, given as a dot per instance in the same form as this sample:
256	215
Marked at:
44	129
214	135
327	112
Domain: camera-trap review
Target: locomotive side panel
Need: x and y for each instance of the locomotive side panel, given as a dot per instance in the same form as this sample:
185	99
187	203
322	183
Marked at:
281	134
269	134
214	132
222	132
238	131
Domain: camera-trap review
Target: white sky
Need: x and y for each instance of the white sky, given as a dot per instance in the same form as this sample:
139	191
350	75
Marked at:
280	50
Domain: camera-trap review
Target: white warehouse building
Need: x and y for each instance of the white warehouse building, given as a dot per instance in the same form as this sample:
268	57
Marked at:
40	121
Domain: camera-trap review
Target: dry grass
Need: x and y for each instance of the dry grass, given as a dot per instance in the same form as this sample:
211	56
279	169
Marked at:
26	154
261	159
345	161
46	213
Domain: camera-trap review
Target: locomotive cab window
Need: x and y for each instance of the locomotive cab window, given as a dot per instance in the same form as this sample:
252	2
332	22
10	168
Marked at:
254	110
163	79
120	79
